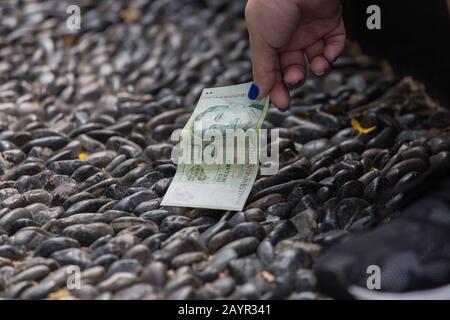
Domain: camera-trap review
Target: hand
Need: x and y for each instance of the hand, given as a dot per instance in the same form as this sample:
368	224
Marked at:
282	33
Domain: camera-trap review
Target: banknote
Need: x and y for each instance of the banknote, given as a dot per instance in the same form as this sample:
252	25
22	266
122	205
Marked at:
218	151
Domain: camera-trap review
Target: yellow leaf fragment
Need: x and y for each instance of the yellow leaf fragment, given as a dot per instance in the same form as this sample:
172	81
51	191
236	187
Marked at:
69	40
130	15
60	294
267	276
357	126
82	156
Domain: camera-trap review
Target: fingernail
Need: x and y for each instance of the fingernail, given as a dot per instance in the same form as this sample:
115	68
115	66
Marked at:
253	92
332	61
319	73
284	110
296	84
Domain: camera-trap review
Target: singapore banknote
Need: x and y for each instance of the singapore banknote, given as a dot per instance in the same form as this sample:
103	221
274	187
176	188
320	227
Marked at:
218	156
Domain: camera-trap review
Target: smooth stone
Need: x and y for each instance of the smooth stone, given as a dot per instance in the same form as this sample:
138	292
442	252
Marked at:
305	223
134	292
184	293
139	252
290	261
32	274
353	188
155	274
267	201
89	205
236	219
182	280
16	290
441	159
188	259
225	286
107	217
7	221
376	188
330	237
314	147
129	203
123	265
265	252
10	252
84	172
48	246
28	238
247	229
72	256
213	230
254	214
117	281
76	198
282	210
403	167
244	269
123	223
243	246
105	260
173	223
65	167
281	231
26	183
92	275
221	239
86	234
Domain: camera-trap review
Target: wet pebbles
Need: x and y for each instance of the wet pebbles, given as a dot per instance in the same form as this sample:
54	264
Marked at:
85	123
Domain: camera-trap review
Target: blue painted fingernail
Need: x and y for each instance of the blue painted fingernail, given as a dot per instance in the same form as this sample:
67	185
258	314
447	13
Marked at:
253	92
285	109
332	61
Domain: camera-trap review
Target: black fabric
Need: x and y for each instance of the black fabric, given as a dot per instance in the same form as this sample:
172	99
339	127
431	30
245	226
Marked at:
412	251
413	39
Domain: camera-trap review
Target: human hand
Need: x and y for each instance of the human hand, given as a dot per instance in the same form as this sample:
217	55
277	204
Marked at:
282	33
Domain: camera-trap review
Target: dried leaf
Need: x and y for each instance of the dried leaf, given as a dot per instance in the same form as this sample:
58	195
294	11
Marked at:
82	156
357	126
130	15
69	40
267	276
60	294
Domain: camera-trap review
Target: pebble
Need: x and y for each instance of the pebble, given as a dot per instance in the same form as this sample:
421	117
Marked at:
86	234
244	246
48	246
32	274
86	157
72	256
117	281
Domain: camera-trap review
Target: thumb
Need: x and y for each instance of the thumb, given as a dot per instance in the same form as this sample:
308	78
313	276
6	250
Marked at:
265	65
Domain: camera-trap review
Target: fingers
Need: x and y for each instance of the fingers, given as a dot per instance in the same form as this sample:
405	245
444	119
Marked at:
314	53
334	43
293	67
267	78
279	95
265	66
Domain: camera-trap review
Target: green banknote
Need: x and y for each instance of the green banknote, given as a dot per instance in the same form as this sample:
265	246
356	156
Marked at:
218	151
